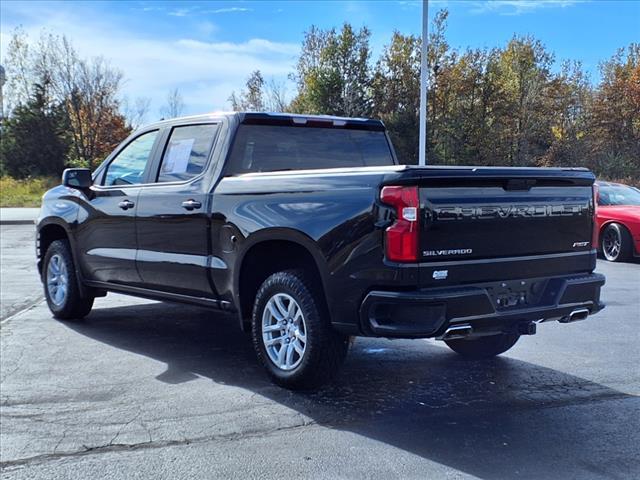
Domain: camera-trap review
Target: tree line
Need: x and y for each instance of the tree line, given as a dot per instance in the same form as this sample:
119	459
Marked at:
503	106
500	106
64	110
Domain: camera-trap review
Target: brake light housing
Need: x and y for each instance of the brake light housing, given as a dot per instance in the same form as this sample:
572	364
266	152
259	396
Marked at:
402	237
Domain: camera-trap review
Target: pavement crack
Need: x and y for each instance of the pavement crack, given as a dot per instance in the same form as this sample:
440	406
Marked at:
115	447
122	427
64	435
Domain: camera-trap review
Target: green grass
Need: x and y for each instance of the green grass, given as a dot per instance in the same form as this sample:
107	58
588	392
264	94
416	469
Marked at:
24	193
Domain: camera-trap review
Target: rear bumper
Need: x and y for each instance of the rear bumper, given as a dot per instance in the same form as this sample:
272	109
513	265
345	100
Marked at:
486	307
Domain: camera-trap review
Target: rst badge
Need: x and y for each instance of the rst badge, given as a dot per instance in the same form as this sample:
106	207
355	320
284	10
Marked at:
440	274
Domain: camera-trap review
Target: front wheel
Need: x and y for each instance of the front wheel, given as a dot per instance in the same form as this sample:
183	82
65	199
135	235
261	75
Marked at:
483	347
292	336
64	298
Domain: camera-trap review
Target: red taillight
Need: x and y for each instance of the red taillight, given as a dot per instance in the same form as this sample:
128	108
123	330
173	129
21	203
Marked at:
402	236
594	236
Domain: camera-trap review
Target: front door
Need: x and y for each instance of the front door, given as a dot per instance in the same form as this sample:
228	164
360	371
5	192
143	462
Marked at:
173	223
106	233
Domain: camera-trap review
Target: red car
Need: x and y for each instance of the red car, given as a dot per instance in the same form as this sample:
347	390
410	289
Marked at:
618	221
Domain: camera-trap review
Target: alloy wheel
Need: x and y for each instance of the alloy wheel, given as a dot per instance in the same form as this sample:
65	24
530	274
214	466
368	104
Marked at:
57	280
611	243
284	332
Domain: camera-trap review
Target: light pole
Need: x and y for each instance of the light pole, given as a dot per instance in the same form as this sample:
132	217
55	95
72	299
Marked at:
422	158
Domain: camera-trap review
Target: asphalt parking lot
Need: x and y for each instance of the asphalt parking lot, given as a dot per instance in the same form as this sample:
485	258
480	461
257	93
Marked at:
143	389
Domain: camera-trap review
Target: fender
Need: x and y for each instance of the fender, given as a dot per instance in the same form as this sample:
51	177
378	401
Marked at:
277	234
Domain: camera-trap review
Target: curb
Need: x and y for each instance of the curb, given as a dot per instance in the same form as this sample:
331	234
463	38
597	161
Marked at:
22	310
17	222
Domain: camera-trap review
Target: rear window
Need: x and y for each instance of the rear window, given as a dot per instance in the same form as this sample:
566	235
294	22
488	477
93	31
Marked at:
269	148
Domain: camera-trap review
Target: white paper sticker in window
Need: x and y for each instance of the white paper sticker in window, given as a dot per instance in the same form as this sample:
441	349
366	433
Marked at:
177	158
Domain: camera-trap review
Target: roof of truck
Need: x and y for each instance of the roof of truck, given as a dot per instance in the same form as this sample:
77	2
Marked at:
273	118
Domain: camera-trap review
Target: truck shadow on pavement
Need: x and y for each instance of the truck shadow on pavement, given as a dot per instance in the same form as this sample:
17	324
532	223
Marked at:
496	419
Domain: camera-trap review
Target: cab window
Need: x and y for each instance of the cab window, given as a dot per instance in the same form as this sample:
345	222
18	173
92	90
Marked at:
187	152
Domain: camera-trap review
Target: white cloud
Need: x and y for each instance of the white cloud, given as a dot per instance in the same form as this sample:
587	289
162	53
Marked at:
229	10
185	12
253	46
181	12
205	72
519	7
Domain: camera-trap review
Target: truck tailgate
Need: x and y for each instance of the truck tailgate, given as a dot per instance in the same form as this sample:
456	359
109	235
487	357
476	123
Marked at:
491	223
489	220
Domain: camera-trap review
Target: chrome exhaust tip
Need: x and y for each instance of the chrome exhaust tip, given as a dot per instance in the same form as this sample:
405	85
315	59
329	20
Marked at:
576	315
456	332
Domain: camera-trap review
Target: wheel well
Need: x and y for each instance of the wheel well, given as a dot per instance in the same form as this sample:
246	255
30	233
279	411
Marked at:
622	226
625	232
46	236
267	258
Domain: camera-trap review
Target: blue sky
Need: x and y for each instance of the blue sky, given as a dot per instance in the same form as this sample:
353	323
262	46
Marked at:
206	49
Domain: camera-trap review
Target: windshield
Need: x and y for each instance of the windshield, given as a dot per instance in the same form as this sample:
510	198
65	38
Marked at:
618	195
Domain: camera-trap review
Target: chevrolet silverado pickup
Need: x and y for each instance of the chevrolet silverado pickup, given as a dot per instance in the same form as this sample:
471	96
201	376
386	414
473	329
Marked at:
310	232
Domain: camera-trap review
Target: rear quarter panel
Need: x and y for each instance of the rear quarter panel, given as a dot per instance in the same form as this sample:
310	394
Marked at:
332	214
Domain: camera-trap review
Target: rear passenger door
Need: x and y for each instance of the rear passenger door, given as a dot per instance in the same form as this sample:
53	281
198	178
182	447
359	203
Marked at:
173	223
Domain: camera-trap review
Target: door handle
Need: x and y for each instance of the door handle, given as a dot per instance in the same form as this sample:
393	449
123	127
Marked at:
191	204
126	204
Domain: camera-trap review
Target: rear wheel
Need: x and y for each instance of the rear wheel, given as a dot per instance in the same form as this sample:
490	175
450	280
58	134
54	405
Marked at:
292	335
64	298
483	347
616	243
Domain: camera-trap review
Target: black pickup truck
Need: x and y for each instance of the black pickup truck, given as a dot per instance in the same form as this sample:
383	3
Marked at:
310	232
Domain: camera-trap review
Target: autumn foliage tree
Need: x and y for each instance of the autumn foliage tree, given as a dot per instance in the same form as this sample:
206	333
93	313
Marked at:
396	80
500	106
333	72
85	90
251	98
614	116
510	105
260	95
33	138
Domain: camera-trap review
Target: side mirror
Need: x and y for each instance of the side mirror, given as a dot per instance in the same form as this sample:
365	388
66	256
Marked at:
79	178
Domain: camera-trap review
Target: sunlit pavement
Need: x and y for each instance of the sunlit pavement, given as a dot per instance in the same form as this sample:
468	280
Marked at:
151	390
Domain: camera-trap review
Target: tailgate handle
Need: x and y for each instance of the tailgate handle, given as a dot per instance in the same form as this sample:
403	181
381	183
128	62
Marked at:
519	184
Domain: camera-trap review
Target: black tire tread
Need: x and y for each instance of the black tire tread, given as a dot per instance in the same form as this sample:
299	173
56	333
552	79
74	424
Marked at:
77	306
327	349
626	243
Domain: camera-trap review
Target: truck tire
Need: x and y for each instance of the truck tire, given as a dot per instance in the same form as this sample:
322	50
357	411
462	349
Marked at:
292	336
483	347
64	298
616	243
